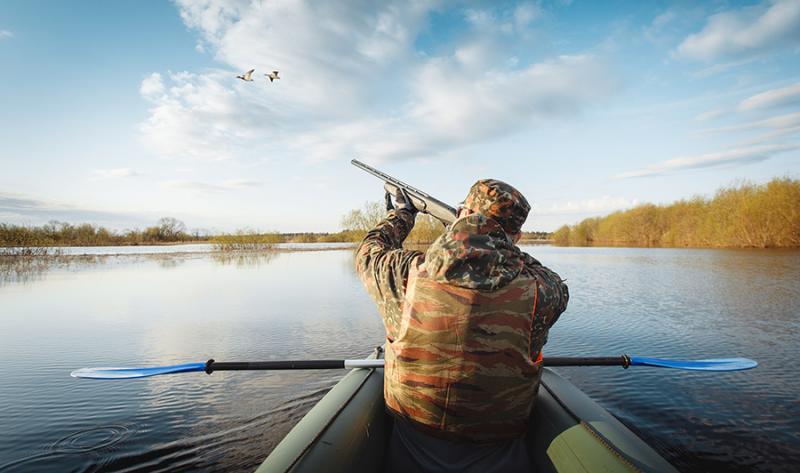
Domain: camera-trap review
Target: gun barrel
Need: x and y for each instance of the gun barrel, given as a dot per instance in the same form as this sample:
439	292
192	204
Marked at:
422	200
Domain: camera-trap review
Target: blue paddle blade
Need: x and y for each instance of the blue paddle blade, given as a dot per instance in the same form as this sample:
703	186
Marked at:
714	364
130	373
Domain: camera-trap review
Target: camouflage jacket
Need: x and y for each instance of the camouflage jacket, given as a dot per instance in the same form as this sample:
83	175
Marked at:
465	325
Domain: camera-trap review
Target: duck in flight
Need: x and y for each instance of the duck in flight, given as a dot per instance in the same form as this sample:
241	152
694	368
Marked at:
247	76
272	76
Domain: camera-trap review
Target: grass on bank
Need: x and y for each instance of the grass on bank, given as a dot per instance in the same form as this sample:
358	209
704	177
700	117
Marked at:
743	215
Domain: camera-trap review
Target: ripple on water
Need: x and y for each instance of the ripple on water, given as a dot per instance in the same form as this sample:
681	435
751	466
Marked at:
89	440
81	442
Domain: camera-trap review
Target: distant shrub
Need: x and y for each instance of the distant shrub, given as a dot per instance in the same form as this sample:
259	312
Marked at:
358	222
305	238
426	230
246	241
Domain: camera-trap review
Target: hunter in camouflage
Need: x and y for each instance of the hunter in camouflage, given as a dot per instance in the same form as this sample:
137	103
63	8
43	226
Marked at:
465	321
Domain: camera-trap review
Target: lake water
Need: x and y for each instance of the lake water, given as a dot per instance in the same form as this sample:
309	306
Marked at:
60	314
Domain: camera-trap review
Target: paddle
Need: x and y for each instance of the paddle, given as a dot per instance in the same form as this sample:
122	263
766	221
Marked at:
716	364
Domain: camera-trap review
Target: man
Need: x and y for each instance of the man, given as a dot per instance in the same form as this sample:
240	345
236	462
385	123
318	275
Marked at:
465	325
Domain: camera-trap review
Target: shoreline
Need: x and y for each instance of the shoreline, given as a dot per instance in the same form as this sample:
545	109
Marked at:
668	247
172	253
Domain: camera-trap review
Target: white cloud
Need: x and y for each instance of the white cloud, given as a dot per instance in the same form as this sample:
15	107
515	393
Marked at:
22	209
152	87
204	187
199	117
6	34
494	21
119	173
720	68
601	204
746	31
451	109
733	157
476	54
789	120
336	57
525	14
481	19
655	31
771	136
664	19
709	115
241	183
336	62
352	83
772	98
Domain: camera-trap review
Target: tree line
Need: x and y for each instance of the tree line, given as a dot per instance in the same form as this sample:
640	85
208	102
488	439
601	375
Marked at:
743	215
536	236
167	230
355	224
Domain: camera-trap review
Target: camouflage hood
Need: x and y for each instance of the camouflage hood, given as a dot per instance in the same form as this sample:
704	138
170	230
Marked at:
474	253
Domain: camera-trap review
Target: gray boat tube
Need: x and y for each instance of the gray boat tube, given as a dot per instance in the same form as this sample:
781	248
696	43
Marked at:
348	431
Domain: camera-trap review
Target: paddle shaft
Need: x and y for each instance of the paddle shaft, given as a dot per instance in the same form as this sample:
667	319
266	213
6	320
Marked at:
212	365
623	360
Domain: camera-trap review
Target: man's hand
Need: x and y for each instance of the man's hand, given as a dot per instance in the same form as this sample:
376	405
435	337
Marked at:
388	198
401	201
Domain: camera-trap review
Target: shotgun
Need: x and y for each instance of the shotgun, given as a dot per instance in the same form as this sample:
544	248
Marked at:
423	201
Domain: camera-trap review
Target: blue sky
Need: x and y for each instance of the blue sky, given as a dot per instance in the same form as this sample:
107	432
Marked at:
120	112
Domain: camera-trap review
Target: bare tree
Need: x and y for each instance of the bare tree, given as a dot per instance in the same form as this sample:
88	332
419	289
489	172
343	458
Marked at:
364	220
171	229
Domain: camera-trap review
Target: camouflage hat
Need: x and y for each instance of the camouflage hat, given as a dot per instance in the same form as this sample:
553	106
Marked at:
501	202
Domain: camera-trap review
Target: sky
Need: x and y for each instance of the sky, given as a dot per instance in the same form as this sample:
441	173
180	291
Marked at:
119	113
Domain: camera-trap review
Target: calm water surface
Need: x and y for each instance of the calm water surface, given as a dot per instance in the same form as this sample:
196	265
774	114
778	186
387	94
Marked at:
60	314
182	248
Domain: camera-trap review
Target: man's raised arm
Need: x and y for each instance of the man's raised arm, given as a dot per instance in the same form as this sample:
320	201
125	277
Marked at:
383	265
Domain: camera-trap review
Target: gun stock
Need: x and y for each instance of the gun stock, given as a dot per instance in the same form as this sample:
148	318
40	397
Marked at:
423	201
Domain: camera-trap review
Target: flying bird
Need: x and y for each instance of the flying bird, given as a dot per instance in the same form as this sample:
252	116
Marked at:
272	76
248	76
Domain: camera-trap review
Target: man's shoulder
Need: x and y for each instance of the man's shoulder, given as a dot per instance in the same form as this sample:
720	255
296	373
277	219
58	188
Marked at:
544	275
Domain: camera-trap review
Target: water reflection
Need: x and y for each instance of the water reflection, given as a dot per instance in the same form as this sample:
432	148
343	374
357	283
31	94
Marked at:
21	270
242	259
168	262
27	270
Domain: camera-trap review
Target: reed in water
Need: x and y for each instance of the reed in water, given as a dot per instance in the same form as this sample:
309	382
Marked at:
246	241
